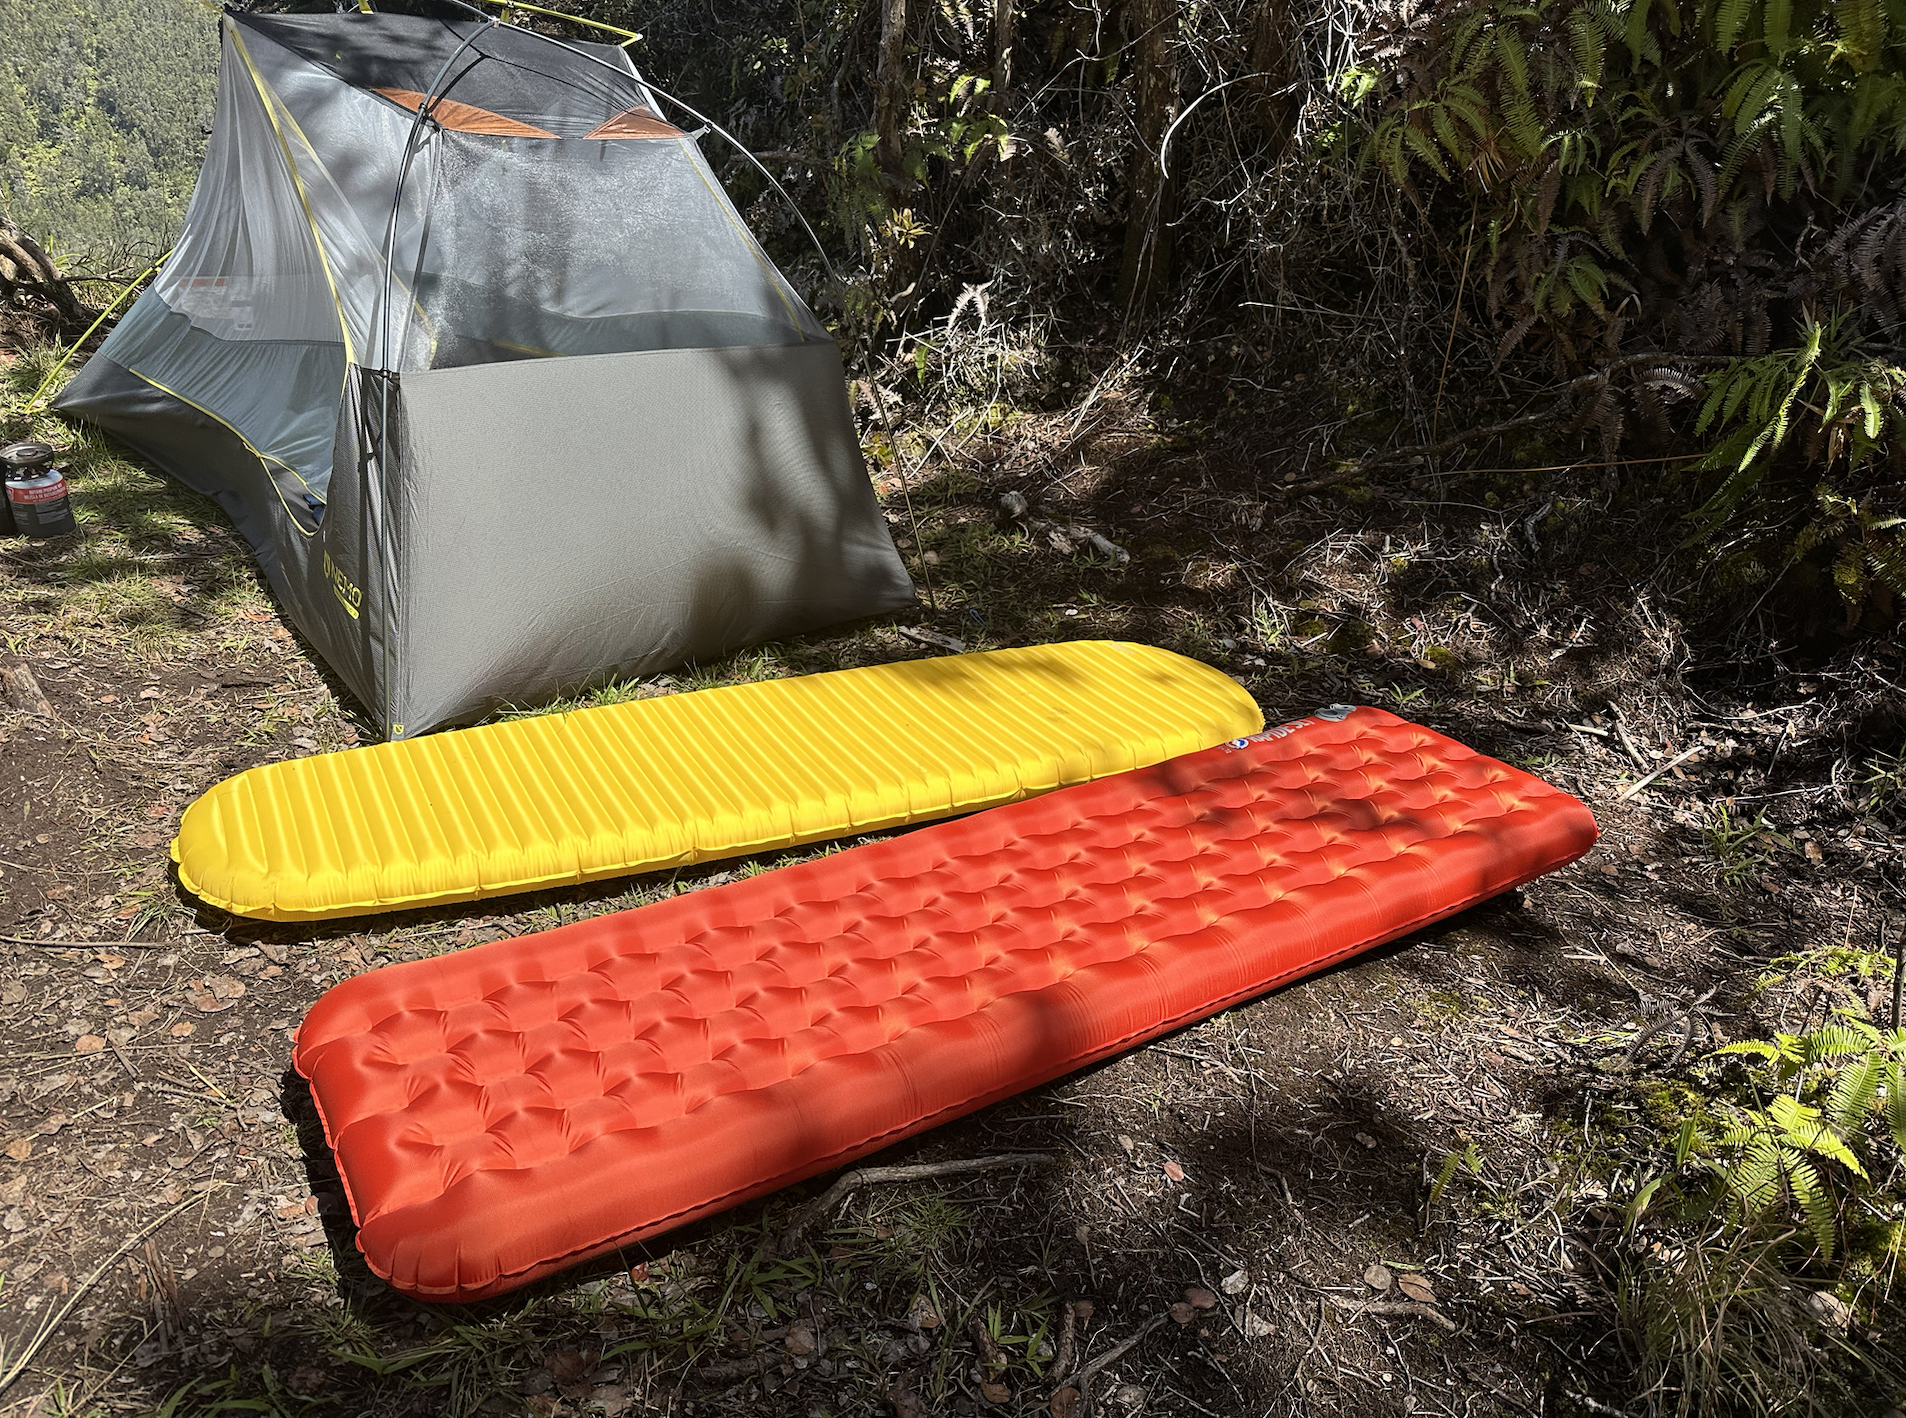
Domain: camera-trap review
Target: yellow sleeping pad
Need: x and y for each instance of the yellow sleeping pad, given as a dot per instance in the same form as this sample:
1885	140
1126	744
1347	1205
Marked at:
663	782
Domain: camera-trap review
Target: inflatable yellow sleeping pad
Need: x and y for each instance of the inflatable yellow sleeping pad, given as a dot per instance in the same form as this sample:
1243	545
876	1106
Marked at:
540	802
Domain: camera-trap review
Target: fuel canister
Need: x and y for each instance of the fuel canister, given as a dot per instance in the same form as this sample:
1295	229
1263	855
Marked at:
38	502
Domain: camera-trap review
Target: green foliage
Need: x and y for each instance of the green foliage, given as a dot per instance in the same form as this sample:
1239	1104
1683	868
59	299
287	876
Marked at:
1740	844
1783	1175
1694	176
103	114
1824	1117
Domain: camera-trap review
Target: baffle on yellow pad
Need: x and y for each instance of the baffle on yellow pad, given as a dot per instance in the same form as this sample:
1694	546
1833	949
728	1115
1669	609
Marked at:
563	798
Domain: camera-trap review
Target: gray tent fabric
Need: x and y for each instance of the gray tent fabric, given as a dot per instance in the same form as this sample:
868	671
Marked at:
489	372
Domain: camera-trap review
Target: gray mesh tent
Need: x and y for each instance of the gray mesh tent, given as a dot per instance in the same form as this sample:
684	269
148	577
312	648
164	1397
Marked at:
483	363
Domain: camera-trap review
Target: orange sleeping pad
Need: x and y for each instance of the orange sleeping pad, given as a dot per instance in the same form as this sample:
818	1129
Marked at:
504	1112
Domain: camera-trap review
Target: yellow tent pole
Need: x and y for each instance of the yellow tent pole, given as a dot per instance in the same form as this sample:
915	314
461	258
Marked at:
53	373
629	37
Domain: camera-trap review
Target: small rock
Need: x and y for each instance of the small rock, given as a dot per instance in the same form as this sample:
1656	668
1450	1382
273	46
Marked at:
1200	1298
800	1341
1828	1309
1236	1283
1174	1171
1181	1313
1366	1141
1012	504
1378	1278
88	1044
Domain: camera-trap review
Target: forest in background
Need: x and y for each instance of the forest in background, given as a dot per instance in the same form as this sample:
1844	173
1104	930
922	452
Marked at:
104	110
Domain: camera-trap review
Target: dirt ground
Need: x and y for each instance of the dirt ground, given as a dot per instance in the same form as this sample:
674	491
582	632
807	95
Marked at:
1244	1218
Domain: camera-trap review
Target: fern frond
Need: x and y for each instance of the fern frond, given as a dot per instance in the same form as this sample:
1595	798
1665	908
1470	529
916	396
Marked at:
1854	1091
1513	60
1896	1107
1811	1195
1833	1041
1729	19
1590	48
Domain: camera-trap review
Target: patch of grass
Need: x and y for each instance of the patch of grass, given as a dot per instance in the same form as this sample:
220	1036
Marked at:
1885	781
1439	1007
1741	846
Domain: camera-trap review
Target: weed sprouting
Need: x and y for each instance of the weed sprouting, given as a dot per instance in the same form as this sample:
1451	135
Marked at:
1885	781
1740	846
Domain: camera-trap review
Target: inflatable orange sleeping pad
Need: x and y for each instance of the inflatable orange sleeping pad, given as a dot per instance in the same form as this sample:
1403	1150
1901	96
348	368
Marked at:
509	1110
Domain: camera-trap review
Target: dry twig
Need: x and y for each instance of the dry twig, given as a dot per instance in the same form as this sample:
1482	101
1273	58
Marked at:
1675	762
1402	1309
54	1320
1087	1372
921	1172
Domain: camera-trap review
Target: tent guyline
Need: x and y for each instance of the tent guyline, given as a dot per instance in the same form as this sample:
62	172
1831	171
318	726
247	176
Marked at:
470	343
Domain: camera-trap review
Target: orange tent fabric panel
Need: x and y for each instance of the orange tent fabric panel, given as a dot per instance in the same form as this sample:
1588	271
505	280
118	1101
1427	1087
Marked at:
634	123
465	117
507	1111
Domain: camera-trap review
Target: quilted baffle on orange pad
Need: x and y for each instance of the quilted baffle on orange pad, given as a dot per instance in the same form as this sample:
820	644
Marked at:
512	1109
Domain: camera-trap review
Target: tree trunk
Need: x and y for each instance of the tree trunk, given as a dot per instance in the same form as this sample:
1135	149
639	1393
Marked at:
1273	59
24	264
890	112
1152	202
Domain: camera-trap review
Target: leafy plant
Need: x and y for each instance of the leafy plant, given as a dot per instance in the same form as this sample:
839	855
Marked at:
1785	1180
1695	177
1740	845
1785	1152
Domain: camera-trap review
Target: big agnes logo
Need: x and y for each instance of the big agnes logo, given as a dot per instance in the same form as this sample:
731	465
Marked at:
1333	714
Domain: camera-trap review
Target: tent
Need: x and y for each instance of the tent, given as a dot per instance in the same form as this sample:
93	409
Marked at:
485	366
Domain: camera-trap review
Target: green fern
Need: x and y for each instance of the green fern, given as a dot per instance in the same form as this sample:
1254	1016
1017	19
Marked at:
1836	1101
1613	148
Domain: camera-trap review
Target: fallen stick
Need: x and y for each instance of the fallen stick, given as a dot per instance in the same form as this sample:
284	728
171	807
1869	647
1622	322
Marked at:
54	1320
1675	762
1088	1372
921	1172
1401	1309
1634	754
90	944
755	1364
